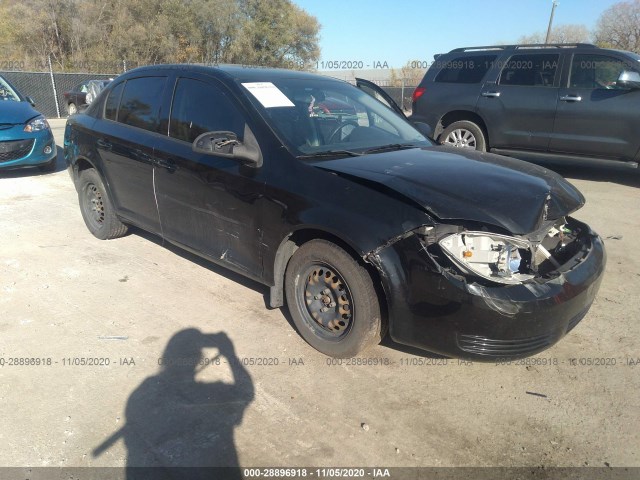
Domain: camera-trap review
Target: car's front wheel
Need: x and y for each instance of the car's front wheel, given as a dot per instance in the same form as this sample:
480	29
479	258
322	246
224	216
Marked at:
97	210
464	134
332	300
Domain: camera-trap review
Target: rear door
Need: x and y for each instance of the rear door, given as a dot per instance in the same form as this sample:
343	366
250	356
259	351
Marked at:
520	105
124	140
208	203
596	117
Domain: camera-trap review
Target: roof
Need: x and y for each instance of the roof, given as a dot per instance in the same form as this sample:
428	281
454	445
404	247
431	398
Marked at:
236	72
525	46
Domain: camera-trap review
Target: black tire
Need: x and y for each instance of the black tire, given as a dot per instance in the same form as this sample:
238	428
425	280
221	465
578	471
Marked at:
464	134
322	275
50	166
71	108
97	210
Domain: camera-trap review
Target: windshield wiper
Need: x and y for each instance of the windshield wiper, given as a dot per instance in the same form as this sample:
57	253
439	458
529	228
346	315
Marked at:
391	146
330	153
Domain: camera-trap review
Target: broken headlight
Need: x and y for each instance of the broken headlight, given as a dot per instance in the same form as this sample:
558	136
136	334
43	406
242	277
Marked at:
498	258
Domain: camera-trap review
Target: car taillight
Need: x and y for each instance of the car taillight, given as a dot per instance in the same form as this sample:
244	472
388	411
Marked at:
417	93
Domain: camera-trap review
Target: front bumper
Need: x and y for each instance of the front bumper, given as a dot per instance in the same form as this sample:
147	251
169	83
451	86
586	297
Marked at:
449	315
21	149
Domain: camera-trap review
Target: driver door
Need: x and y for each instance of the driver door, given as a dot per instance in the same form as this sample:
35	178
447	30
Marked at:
595	116
379	94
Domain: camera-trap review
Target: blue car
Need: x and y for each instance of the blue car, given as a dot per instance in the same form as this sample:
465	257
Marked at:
25	136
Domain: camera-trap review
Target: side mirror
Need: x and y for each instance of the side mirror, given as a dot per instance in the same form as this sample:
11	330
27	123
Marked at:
424	129
629	79
226	144
30	100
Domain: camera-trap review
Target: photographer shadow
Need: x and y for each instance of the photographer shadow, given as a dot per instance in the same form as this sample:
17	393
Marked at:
178	427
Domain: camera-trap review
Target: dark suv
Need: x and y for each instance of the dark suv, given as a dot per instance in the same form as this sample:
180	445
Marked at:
560	102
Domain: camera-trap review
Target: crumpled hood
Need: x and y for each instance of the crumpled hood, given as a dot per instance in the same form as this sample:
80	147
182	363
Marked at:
16	112
467	185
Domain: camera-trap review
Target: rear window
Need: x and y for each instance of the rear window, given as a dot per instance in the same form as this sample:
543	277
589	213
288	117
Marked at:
468	69
140	104
531	70
113	100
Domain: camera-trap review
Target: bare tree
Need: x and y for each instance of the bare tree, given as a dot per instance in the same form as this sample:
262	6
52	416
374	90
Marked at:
560	34
619	27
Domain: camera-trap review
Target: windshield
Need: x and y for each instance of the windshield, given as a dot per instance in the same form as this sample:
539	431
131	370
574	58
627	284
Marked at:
7	93
319	116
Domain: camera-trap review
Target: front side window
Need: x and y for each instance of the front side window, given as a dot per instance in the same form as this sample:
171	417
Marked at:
140	103
531	70
200	107
468	69
596	71
318	116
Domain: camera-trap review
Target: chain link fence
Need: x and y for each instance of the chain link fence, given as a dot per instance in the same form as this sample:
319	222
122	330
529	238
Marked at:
47	89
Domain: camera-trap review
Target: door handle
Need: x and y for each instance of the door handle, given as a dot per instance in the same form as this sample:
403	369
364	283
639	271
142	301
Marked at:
101	143
167	164
491	94
571	98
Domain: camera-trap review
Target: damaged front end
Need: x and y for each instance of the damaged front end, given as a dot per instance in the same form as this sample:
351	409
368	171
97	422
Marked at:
471	293
505	259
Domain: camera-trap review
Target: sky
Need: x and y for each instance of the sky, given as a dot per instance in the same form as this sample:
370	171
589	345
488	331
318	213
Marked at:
397	31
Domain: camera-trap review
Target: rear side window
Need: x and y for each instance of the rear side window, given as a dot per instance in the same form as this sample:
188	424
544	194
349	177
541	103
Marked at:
200	107
596	71
140	104
465	69
113	100
531	70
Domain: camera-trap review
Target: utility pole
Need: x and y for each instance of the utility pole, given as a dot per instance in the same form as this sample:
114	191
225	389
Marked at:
553	11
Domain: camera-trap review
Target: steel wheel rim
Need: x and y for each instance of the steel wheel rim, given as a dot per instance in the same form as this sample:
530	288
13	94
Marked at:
462	138
325	300
72	109
95	205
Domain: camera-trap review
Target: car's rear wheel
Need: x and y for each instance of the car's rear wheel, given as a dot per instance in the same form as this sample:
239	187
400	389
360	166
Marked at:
464	134
71	108
332	300
97	210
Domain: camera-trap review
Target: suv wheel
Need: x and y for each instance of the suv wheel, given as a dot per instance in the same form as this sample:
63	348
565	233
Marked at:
464	134
72	109
332	300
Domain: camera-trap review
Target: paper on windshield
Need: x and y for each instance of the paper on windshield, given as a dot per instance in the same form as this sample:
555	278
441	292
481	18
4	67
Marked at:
268	94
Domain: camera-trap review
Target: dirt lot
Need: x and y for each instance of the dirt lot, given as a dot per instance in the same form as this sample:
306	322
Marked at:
66	297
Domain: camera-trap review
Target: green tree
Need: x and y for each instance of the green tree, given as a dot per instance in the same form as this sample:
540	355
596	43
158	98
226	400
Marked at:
619	27
97	35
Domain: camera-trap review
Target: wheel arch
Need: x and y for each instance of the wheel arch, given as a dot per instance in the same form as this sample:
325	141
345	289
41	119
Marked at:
459	115
82	163
299	237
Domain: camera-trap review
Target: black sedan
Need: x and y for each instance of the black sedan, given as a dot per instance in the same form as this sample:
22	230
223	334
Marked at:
328	195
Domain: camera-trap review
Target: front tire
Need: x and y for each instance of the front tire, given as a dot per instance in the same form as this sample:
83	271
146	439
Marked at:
97	210
464	134
332	300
